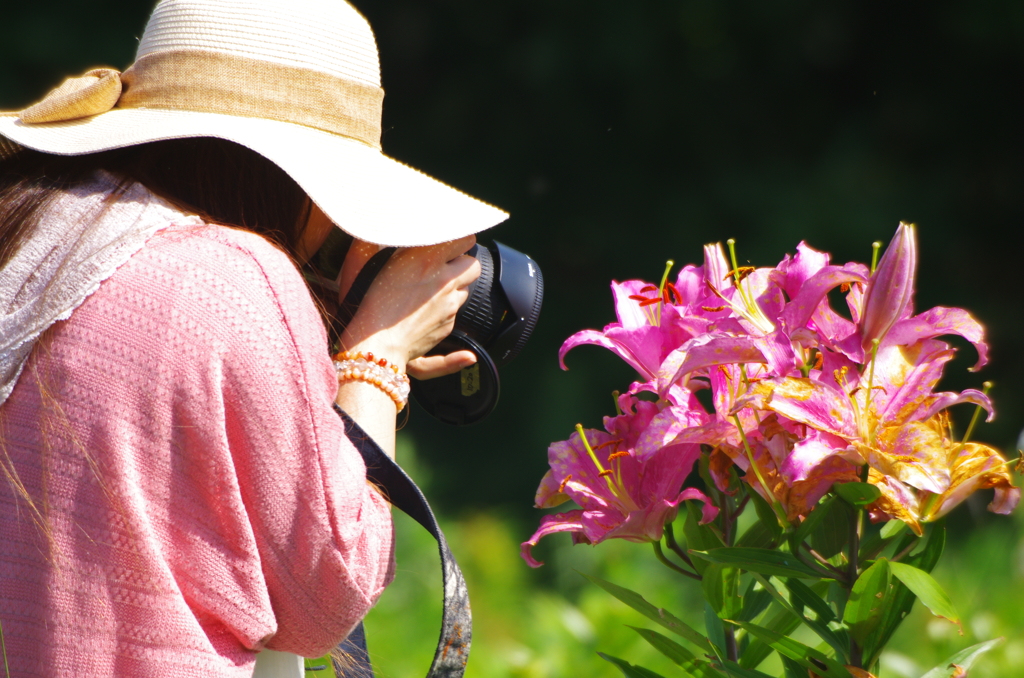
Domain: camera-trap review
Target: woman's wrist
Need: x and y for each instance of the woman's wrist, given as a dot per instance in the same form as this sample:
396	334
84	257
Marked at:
376	371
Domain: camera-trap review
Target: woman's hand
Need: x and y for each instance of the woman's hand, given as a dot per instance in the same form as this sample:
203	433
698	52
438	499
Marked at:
411	305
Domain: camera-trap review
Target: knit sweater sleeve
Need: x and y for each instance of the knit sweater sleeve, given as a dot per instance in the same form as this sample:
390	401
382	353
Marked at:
322	534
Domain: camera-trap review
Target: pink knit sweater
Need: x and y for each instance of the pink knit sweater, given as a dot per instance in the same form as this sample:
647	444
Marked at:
200	497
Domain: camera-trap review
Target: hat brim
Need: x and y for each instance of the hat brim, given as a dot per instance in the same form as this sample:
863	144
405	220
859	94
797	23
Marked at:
369	195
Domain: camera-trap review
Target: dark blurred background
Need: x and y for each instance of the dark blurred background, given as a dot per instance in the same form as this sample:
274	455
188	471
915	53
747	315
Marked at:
621	134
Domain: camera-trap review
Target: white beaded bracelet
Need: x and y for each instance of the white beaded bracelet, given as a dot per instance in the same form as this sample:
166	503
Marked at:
377	372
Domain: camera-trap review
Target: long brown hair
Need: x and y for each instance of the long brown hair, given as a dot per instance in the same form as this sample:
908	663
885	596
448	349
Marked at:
221	181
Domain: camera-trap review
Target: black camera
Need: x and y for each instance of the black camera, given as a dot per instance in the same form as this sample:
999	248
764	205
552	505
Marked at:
494	323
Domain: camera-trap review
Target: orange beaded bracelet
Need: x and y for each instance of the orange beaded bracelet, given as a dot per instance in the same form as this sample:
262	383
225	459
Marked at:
374	371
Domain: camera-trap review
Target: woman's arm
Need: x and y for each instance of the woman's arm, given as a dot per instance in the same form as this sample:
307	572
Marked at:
409	308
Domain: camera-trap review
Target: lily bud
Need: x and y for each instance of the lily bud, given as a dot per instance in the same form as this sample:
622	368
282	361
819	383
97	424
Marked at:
891	287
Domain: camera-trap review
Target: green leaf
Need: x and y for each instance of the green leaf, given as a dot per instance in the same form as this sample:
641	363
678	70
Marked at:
873	544
629	670
902	597
781	621
792	668
765	561
656	614
754	602
858	494
924	586
892	529
803	593
867	600
731	668
832	535
765	513
757	536
807	657
837	596
964	659
820	628
812	521
699	537
715	629
689	663
721	587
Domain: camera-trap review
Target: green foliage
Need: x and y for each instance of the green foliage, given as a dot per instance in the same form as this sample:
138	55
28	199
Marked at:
765	561
963	659
868	599
629	670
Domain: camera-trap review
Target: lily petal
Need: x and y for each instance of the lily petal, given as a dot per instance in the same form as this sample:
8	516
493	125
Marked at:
940	321
704	352
813	291
570	521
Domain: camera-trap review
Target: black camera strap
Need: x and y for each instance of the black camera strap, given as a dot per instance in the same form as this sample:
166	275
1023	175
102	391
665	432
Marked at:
456	620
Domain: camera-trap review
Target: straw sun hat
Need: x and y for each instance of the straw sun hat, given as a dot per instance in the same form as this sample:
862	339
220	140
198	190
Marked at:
297	81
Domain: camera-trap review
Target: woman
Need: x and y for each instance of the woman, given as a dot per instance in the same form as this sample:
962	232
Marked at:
179	493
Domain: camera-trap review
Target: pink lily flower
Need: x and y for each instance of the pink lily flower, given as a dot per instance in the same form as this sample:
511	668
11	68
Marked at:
620	496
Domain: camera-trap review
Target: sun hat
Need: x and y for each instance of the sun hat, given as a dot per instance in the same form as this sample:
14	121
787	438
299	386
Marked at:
296	81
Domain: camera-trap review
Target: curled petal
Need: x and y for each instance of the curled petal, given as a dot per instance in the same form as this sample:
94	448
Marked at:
977	467
590	337
704	352
937	322
813	291
708	513
1005	501
559	522
970	395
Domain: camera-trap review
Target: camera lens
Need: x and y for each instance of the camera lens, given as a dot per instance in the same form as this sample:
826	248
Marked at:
494	323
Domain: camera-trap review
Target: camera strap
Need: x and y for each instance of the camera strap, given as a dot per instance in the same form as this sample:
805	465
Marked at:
456	620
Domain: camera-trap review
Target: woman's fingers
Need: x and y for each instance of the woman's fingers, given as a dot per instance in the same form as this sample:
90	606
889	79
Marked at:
432	366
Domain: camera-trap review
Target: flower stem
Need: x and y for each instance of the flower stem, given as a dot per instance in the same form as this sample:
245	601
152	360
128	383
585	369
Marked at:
668	563
856	651
985	388
779	512
3	647
670	539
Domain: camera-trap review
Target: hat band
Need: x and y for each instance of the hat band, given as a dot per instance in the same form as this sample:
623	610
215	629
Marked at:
213	82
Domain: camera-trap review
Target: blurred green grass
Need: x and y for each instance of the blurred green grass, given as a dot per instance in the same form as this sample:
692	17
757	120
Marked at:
550	623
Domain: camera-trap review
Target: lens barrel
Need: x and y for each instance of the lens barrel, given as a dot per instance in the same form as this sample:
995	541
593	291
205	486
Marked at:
494	323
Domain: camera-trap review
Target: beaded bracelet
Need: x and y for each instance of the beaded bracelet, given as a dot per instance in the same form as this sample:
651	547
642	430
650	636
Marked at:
375	371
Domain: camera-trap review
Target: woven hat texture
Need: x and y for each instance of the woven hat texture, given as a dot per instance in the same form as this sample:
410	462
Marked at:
297	81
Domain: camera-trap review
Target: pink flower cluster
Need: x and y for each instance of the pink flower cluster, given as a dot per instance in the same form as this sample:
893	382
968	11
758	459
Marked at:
802	397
